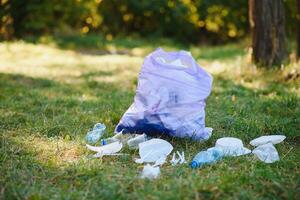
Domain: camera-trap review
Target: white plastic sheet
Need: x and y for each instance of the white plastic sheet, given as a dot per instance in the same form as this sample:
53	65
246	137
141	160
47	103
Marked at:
274	139
109	149
232	146
154	149
266	153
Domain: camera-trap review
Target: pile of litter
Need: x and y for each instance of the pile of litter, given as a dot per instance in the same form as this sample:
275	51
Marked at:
154	151
170	100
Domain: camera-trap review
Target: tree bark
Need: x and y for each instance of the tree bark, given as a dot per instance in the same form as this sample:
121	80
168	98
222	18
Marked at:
298	28
268	34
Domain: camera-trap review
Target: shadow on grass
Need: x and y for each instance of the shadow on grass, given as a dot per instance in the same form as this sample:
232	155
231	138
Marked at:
50	108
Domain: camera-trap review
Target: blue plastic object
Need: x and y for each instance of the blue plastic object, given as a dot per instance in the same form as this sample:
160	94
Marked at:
94	135
209	156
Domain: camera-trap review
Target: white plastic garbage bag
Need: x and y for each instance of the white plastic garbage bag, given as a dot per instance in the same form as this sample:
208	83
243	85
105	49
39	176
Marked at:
274	139
170	97
232	146
266	153
154	149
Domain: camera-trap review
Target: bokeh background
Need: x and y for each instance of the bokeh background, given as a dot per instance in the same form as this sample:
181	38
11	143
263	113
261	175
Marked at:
188	21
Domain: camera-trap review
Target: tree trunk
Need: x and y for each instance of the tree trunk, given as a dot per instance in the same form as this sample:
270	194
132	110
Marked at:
268	34
298	28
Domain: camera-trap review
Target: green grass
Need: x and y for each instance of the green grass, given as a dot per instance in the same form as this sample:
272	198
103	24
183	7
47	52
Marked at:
52	94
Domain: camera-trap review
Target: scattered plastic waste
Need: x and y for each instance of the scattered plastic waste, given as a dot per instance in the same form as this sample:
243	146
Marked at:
160	161
94	135
134	142
274	139
266	153
182	157
208	131
154	149
108	140
117	137
109	149
265	149
150	172
170	97
232	146
174	161
180	160
211	155
99	126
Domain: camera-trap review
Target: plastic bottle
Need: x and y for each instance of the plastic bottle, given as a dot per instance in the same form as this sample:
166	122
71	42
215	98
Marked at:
108	141
211	155
94	135
115	138
134	142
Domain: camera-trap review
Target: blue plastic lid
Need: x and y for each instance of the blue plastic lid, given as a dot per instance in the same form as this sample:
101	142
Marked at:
194	164
103	142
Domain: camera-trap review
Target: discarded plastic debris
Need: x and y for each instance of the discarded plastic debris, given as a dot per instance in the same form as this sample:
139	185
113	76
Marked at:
117	137
170	97
110	149
208	131
99	126
134	142
150	172
108	140
211	155
94	135
154	149
274	139
232	146
174	161
265	149
266	153
160	161
180	160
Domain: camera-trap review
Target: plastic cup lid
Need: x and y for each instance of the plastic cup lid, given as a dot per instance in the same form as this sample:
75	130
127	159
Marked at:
274	139
229	142
232	146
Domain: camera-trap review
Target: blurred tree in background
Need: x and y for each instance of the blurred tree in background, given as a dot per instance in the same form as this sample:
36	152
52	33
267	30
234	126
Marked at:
267	18
298	28
213	21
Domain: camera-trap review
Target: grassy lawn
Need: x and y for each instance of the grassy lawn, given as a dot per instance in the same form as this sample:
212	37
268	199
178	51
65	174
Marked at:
53	90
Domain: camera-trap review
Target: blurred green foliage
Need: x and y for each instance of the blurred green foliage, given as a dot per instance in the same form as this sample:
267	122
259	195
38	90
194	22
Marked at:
194	21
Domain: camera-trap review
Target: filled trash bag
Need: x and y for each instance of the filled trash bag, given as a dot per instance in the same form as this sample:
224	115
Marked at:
170	97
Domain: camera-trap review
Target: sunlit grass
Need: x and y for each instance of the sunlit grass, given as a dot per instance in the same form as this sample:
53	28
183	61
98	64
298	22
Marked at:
65	65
